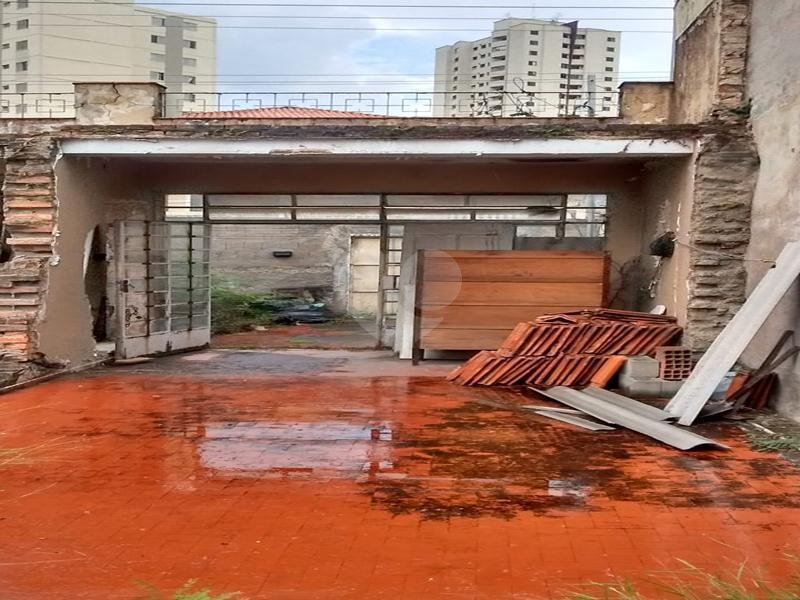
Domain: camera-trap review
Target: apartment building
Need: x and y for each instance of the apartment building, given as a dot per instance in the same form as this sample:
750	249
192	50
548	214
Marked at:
529	67
47	46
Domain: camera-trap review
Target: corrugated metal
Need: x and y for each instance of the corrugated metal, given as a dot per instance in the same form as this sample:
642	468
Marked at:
573	420
651	412
737	334
600	409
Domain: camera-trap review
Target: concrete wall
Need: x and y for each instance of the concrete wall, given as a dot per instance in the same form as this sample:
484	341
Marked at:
241	258
84	202
686	11
668	190
774	89
710	64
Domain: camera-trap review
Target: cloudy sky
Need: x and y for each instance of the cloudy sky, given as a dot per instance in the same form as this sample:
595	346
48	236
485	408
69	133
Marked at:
389	45
294	47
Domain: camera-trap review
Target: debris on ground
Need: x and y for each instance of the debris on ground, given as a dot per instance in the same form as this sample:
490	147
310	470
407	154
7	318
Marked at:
569	348
735	337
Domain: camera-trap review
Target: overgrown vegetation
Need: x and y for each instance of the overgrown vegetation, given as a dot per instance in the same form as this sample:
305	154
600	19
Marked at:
188	591
692	583
233	311
774	443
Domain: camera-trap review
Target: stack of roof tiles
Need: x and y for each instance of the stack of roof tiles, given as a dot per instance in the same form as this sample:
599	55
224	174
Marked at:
568	348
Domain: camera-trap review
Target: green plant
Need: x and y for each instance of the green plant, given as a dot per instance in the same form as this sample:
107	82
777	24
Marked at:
692	583
188	591
233	311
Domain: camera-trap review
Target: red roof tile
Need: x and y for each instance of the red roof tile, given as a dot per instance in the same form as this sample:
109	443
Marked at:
282	112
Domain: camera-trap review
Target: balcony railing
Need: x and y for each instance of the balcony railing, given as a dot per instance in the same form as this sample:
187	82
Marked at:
495	102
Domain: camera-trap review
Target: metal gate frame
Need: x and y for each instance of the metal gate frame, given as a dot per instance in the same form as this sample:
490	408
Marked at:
163	287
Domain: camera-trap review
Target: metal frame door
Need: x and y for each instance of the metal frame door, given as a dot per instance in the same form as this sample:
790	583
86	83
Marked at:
163	286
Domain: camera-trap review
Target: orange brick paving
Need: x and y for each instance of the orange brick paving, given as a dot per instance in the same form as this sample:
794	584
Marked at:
315	486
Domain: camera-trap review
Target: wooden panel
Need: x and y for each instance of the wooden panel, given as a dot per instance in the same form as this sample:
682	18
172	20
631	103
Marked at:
537	269
471	300
455	317
511	294
462	339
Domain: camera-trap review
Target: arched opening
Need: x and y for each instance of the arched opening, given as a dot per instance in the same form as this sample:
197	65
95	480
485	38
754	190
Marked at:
95	280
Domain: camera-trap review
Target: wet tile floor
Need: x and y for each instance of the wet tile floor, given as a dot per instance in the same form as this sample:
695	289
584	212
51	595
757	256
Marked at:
313	474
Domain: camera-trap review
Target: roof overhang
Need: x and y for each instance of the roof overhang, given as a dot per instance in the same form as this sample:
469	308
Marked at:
512	148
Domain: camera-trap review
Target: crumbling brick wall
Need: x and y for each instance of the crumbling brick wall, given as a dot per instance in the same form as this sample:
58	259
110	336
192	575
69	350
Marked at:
29	211
725	173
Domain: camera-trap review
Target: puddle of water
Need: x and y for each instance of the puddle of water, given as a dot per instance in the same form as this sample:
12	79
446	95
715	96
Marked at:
260	446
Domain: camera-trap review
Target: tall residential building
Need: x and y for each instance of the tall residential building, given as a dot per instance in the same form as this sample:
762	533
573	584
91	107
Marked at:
529	67
47	46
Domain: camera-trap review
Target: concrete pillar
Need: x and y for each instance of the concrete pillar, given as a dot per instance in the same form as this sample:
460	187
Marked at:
645	102
118	103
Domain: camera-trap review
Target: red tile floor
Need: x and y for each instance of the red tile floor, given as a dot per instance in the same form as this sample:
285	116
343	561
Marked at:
313	474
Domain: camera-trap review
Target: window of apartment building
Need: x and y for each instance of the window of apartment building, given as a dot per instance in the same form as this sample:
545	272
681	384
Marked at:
158	21
577	56
609	79
565	45
21	88
609	59
6	46
611	39
5	87
609	49
21	66
565	56
579	46
531	63
21	45
6	25
566	36
611	69
564	66
500	38
23	24
562	86
157	75
156	39
6	67
193	45
531	73
155	57
534	42
189	62
607	98
534	33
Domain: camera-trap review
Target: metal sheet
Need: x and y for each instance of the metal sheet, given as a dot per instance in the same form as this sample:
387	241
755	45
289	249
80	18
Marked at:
651	412
568	411
600	409
573	420
735	337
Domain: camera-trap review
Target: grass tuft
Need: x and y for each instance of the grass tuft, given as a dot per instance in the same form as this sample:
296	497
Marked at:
774	443
692	583
188	591
27	455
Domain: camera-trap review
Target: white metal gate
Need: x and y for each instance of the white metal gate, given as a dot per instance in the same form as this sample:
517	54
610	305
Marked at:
162	274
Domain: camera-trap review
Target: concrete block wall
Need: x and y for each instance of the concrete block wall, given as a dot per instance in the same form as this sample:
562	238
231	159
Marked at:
241	258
